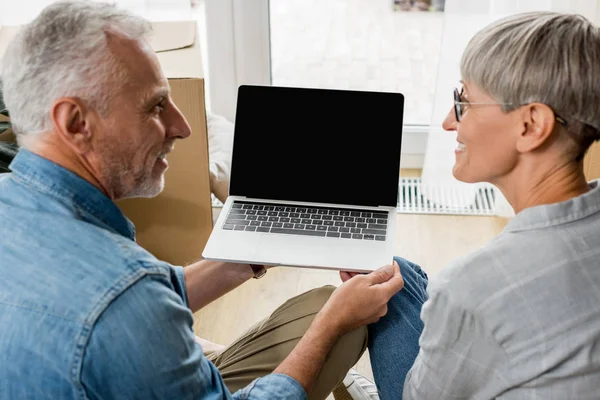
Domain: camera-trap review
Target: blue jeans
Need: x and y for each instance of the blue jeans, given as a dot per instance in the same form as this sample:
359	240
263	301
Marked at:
394	339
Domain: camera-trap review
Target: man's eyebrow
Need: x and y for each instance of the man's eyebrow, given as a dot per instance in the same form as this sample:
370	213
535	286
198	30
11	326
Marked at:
157	95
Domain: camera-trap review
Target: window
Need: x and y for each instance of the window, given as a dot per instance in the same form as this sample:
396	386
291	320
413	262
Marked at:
343	44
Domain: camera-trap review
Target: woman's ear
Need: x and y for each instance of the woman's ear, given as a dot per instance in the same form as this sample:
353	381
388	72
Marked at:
71	121
539	122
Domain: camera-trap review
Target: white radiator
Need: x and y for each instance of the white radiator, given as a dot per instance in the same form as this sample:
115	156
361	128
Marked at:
440	200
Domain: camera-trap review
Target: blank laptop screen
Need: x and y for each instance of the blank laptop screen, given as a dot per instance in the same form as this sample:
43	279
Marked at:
317	145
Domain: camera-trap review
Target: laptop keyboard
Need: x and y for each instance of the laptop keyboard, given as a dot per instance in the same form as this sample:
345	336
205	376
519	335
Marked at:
309	221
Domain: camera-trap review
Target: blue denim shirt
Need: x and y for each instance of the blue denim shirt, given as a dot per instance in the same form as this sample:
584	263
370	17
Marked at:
86	313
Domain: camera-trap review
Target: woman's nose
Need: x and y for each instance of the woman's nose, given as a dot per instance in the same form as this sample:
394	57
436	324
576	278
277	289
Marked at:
450	122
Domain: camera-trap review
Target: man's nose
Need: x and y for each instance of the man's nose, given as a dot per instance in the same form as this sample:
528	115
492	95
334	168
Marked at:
177	125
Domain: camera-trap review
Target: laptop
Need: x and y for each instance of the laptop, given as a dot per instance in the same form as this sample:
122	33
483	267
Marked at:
314	179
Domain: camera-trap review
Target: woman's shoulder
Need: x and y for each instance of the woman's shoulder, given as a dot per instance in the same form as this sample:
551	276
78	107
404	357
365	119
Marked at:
473	278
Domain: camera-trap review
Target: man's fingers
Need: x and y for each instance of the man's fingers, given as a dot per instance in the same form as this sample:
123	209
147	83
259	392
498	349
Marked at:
395	283
345	276
380	313
381	275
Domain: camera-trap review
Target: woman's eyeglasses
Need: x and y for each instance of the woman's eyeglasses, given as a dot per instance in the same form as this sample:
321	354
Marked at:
459	108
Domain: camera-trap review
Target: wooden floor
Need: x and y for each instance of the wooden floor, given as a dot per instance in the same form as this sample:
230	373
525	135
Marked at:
429	240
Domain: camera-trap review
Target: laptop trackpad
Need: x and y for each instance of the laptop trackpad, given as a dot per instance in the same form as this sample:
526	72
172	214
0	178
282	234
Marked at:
339	254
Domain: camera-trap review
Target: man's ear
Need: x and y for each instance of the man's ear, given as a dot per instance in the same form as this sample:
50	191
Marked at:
539	123
71	120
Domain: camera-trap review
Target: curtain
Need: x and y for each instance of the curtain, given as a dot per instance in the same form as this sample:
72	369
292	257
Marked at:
462	19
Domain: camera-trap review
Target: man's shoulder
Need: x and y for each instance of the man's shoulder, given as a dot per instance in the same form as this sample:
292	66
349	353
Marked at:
59	275
84	263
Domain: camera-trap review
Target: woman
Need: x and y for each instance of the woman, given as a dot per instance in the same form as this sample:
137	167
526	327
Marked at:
519	318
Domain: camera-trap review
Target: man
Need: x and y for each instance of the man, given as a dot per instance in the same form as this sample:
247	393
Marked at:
85	312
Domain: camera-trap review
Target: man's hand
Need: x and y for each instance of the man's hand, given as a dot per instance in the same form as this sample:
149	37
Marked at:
345	275
361	299
358	301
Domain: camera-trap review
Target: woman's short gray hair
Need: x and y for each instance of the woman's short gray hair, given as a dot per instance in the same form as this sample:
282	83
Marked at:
64	53
544	57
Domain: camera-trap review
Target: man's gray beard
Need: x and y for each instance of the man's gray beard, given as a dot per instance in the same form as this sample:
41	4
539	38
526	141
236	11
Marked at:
146	189
142	186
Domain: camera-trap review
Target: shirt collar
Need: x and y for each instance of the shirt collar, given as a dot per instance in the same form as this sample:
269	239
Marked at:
86	200
564	212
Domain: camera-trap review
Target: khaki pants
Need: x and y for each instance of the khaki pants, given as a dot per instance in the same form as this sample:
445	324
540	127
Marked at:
260	350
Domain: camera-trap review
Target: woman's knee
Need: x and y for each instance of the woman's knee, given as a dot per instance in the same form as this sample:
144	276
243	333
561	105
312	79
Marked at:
405	265
412	273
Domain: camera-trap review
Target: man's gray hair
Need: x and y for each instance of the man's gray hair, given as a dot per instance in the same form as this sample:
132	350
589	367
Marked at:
64	53
544	57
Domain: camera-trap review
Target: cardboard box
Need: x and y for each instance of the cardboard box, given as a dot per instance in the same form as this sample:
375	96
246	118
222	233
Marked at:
176	224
